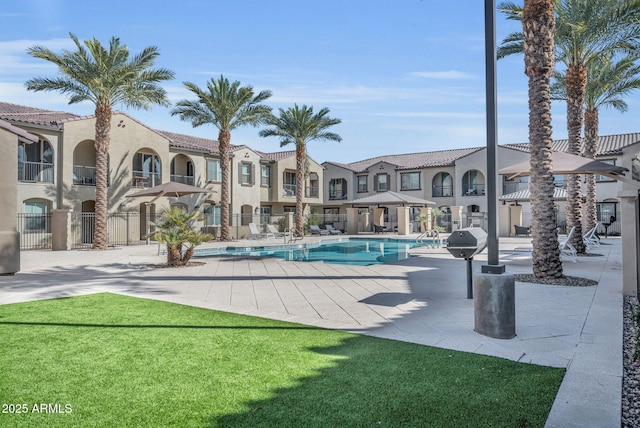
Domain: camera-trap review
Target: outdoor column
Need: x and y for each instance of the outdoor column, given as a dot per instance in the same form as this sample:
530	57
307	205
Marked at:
378	216
288	221
9	236
425	225
456	218
61	230
352	221
366	222
629	232
403	221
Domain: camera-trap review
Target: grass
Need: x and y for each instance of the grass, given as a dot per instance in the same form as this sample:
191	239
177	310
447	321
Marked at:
123	361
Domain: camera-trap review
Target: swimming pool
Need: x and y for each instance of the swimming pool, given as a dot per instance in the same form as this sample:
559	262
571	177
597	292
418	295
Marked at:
351	251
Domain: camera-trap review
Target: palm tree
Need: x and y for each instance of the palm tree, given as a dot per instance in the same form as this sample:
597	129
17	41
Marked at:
299	126
105	78
176	229
226	106
585	30
537	43
607	83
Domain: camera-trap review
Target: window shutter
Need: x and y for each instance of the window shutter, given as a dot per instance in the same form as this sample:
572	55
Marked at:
253	174
375	182
388	182
239	172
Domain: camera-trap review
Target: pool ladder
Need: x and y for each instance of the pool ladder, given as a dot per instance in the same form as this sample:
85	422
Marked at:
290	236
429	234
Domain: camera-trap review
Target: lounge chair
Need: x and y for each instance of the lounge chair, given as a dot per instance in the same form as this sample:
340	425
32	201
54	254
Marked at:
566	249
379	229
591	239
256	234
272	229
315	230
332	230
520	230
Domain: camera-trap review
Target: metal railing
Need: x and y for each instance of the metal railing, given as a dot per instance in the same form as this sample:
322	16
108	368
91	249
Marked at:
474	190
441	191
35	231
313	192
142	179
289	190
337	195
35	172
84	175
185	179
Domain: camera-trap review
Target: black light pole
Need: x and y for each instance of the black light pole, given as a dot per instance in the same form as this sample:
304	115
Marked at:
492	199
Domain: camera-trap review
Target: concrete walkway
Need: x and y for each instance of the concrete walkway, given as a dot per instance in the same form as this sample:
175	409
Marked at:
421	300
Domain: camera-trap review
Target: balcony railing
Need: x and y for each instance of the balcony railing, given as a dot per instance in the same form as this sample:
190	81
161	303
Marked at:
442	191
142	179
474	190
313	192
84	175
184	179
35	172
289	190
337	195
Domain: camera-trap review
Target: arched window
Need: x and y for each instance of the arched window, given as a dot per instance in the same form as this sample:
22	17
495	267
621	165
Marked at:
35	162
442	185
182	170
147	169
472	183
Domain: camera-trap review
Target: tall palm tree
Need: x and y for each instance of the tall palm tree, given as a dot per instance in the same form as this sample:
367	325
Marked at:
299	126
585	30
608	82
537	43
105	78
227	106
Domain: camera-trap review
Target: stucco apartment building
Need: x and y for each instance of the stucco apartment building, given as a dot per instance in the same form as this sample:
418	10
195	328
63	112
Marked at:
455	180
57	174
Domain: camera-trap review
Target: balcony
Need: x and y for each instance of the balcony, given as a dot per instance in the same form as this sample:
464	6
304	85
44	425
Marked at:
35	172
337	195
474	190
289	190
144	179
442	191
184	179
312	192
84	175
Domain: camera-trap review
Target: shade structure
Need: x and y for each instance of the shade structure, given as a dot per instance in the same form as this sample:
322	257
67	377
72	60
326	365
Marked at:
389	198
559	194
566	163
171	189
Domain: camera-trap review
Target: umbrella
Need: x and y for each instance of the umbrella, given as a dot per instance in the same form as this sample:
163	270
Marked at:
565	163
171	189
390	198
559	194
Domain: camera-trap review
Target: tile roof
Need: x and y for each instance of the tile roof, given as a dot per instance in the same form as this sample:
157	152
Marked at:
608	145
413	160
21	133
188	142
277	156
34	116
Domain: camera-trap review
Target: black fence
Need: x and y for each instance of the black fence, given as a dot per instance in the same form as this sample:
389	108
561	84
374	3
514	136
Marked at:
35	231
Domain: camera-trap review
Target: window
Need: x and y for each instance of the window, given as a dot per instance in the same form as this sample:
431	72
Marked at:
265	176
338	189
606	211
362	184
265	215
442	185
211	214
245	173
214	173
36	216
472	183
410	181
35	162
289	185
382	182
604	178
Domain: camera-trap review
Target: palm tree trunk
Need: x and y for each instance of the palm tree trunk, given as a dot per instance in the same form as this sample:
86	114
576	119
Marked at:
103	128
590	149
224	141
300	161
538	23
576	83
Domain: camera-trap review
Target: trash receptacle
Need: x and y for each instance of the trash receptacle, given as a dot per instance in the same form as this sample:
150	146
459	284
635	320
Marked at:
464	244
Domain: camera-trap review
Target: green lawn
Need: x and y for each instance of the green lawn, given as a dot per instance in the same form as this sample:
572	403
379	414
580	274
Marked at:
117	361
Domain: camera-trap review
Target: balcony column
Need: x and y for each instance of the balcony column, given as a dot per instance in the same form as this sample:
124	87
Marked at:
403	221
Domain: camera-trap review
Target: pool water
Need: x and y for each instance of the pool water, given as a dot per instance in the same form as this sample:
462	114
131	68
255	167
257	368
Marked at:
350	251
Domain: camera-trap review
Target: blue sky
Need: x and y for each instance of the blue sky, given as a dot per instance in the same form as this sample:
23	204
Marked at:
403	76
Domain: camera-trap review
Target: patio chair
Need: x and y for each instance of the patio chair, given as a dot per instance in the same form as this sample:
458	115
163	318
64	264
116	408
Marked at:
520	230
379	229
272	229
315	230
591	238
256	234
332	230
566	249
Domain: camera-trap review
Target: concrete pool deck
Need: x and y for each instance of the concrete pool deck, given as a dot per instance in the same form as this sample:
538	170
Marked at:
421	300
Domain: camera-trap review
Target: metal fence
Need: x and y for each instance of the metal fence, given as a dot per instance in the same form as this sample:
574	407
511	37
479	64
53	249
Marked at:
35	231
126	228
